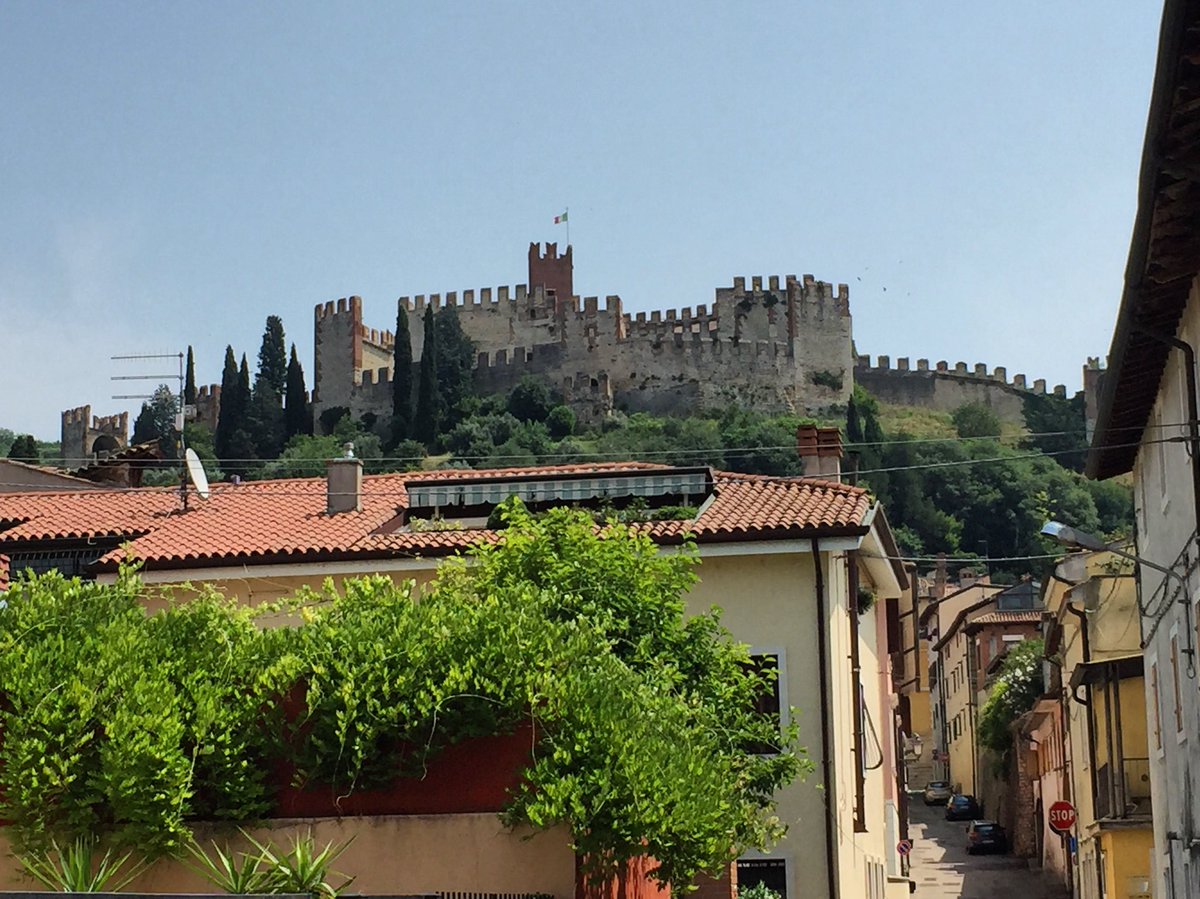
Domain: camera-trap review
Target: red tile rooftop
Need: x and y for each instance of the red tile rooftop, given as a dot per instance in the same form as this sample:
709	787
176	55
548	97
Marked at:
287	519
1026	616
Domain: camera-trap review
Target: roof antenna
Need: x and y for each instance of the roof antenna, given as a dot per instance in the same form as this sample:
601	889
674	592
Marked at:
185	471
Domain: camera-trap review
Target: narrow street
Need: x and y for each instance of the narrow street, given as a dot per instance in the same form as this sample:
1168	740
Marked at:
942	868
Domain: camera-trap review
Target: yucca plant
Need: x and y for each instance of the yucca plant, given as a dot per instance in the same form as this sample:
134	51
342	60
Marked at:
223	870
74	869
305	869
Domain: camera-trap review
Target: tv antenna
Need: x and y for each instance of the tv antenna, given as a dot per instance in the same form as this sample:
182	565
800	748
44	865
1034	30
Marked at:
185	472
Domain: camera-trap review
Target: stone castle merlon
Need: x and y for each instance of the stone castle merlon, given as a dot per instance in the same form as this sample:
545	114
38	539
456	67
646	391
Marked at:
998	376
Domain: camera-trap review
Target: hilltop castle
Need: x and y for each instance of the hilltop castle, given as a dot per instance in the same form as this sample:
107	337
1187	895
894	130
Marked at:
783	345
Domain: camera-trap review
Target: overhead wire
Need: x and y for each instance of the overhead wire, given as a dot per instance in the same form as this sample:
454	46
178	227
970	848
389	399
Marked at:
628	457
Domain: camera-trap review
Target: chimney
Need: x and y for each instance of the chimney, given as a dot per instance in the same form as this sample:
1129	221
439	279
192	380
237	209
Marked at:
939	577
344	483
820	452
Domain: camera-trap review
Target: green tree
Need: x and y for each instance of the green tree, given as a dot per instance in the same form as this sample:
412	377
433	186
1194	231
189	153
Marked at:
272	356
24	448
402	384
455	363
429	398
531	399
265	420
975	420
1057	425
189	384
156	421
1016	688
561	422
297	411
230	414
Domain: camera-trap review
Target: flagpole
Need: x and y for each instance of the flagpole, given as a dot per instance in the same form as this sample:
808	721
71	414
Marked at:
567	216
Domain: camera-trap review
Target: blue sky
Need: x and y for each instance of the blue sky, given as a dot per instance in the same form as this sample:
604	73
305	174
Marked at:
173	173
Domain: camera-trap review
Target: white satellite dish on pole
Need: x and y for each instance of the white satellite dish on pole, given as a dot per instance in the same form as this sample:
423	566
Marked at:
195	471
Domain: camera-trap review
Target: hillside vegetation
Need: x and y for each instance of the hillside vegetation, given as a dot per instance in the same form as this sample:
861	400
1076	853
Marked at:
961	483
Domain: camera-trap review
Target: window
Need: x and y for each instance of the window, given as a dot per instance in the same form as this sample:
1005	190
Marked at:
770	702
770	872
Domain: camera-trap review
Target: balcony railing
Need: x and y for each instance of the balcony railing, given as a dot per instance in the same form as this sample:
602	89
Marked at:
1111	802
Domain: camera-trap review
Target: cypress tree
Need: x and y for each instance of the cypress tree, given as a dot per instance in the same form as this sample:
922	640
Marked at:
240	447
429	400
297	414
229	415
402	378
272	356
243	391
189	386
455	358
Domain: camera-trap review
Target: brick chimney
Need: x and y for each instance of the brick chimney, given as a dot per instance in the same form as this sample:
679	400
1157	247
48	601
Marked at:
343	483
820	452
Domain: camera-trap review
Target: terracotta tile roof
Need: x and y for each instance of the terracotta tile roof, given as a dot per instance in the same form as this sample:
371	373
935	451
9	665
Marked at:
3	572
286	519
1029	616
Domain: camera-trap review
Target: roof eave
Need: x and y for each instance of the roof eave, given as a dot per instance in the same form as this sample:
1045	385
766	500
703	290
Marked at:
1113	453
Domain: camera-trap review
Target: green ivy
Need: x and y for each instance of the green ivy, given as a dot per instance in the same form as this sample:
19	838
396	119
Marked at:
131	724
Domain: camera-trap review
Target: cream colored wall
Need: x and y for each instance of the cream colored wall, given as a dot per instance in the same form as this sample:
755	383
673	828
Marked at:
958	703
391	855
769	602
957	690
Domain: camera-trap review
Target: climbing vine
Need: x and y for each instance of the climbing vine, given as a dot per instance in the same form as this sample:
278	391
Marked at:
129	723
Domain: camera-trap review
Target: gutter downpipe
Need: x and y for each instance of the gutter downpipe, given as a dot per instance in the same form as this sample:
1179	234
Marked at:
1086	703
831	871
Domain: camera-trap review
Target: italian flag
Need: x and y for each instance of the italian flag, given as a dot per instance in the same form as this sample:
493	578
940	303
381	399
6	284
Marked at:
559	219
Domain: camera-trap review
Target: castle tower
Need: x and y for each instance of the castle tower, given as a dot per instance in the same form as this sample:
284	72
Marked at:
85	436
551	271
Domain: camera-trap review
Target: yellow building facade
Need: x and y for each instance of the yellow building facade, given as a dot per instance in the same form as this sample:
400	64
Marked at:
1095	639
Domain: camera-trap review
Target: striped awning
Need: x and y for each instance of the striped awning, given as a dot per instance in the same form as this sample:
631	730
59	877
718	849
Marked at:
492	492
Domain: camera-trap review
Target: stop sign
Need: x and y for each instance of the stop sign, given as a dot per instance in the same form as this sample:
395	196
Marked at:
1062	816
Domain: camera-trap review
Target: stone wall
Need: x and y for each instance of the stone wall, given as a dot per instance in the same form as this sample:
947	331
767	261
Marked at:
944	388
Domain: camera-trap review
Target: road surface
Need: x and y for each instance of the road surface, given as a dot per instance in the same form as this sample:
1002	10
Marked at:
942	869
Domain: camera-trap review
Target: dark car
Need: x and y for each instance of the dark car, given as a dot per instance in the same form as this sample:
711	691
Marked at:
962	807
986	836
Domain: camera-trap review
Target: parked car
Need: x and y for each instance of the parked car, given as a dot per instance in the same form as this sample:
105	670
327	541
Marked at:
963	807
986	836
938	792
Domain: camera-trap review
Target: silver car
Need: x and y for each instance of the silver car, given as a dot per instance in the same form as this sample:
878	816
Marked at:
937	792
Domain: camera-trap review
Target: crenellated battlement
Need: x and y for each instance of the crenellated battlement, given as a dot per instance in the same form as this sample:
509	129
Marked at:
118	423
77	415
998	376
768	337
484	297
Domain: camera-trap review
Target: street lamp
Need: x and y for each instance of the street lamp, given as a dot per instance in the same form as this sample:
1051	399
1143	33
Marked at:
1073	538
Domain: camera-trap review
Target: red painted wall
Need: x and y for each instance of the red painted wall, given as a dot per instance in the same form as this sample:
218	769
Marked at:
475	775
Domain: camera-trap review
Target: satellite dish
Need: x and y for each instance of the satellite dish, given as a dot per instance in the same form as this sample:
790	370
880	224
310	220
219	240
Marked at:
195	470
